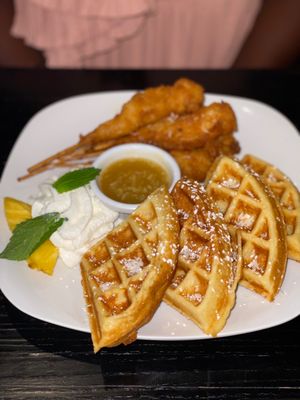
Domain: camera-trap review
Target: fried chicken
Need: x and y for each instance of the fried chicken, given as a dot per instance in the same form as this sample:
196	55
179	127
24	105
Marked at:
171	117
194	164
190	131
149	106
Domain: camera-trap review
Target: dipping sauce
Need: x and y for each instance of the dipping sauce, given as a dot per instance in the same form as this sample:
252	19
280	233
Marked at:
131	180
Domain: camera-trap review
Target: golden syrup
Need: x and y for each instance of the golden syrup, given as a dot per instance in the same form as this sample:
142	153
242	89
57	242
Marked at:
131	180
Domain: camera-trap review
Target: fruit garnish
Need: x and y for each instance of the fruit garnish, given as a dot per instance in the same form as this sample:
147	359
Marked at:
16	211
30	234
44	258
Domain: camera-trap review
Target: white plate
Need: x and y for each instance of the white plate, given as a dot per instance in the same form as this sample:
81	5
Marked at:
263	131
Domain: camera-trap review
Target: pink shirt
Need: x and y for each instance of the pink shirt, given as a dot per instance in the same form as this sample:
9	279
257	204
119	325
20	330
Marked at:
136	33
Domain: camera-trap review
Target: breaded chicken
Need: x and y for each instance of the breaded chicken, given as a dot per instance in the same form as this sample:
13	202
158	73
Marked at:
147	107
194	164
190	131
171	117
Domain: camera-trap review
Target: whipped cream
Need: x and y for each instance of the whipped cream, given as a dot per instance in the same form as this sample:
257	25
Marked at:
88	219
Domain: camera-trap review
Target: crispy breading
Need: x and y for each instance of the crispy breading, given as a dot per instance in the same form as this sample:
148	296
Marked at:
171	117
149	106
189	131
194	164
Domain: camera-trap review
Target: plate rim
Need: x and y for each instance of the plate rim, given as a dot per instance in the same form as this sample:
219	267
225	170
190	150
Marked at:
58	103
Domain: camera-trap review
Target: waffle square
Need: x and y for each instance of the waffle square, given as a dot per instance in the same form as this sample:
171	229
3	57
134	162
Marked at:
288	196
125	274
209	261
250	207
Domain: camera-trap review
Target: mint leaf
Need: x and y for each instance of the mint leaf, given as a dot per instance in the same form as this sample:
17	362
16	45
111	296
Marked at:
30	234
74	179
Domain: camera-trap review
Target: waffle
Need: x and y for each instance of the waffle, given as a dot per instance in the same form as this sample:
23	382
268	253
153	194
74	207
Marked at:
288	196
125	274
209	265
248	205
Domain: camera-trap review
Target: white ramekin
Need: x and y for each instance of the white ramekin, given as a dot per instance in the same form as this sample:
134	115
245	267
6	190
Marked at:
137	150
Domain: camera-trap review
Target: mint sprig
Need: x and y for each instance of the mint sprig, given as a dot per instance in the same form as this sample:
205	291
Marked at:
30	234
75	179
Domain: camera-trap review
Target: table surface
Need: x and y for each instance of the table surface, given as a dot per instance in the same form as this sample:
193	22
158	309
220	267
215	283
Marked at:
42	361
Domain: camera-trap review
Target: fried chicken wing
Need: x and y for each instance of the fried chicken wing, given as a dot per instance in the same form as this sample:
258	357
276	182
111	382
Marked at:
149	106
190	131
194	164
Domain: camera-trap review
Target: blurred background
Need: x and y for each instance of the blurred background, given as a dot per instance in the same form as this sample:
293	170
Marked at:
204	34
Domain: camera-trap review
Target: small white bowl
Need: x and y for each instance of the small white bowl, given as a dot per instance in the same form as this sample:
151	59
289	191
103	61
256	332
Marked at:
132	150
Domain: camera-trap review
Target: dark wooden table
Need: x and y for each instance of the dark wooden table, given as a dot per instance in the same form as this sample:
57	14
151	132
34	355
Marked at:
42	361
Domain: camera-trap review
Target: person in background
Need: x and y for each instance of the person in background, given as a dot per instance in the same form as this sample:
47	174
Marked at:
149	33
